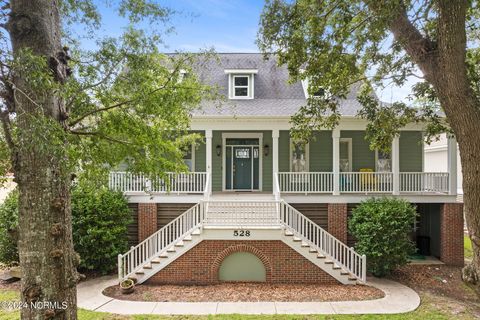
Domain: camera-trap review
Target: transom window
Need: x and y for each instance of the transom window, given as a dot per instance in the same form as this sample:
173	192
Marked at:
241	86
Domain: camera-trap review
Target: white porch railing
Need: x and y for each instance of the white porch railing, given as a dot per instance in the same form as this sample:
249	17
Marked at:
306	182
158	242
318	237
190	182
419	182
363	182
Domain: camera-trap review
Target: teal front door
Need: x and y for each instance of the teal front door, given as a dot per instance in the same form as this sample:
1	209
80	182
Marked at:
242	168
242	164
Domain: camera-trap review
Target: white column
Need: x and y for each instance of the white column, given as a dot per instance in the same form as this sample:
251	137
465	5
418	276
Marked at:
208	137
275	136
336	161
452	165
396	165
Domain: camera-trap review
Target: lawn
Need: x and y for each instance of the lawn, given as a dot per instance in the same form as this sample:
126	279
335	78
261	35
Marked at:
432	307
467	244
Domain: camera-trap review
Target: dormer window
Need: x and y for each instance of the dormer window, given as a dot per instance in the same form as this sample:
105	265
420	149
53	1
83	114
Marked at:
240	86
240	83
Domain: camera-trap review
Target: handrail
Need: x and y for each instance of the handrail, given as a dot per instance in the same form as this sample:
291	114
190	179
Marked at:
160	241
316	236
174	182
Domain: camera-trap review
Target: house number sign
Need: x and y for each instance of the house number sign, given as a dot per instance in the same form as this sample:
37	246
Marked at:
241	233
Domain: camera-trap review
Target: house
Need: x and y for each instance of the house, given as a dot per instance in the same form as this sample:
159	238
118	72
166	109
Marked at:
257	206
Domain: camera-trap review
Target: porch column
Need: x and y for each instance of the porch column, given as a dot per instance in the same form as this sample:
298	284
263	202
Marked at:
396	164
208	138
336	161
275	136
452	165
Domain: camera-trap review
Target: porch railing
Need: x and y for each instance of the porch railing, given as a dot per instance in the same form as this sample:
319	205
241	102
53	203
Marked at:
306	182
242	213
190	182
364	182
418	182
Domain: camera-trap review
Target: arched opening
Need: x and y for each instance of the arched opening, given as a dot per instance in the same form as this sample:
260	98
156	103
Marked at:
242	266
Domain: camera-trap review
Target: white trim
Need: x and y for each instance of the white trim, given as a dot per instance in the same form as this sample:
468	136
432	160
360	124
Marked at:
350	163
241	71
243	135
307	156
351	198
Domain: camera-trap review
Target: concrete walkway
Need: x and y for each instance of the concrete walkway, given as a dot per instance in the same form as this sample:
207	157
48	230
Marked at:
398	299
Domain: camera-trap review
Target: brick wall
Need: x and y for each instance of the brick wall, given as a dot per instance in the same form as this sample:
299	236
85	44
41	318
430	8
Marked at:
451	234
147	220
337	221
201	264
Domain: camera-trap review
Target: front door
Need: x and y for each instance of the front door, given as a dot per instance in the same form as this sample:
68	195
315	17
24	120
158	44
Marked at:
242	164
242	168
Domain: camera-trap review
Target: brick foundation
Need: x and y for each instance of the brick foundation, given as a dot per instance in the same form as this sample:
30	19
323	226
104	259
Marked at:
147	220
201	264
451	234
337	220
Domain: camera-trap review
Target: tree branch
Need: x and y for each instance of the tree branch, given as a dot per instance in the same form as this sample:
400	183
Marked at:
99	134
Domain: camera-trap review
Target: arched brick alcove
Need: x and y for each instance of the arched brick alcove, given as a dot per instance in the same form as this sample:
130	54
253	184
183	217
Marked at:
241	248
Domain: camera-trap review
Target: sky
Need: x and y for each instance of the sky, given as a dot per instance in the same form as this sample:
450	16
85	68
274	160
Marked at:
225	25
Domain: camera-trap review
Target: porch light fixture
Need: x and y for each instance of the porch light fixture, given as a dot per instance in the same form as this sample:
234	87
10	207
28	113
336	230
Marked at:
266	150
219	150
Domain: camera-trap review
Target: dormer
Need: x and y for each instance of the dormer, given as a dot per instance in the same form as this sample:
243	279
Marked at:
241	83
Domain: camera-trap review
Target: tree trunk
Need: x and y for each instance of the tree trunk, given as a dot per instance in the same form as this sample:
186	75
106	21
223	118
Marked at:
47	258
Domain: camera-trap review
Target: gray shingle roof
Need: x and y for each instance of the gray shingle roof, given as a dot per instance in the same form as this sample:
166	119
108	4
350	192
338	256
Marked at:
273	94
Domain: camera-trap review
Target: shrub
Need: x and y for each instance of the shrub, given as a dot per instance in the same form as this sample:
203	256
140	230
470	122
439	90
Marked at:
100	218
9	228
99	222
381	227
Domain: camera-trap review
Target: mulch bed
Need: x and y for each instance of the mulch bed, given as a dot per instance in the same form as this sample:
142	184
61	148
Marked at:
439	279
232	292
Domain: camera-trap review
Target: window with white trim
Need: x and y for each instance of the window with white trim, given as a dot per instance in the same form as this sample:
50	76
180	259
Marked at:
189	158
298	157
240	86
383	161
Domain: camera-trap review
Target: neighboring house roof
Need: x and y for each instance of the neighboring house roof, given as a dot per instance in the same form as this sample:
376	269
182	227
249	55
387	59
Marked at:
273	95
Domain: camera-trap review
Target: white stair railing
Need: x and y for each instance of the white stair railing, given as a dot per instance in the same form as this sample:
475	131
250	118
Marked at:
316	236
160	241
189	182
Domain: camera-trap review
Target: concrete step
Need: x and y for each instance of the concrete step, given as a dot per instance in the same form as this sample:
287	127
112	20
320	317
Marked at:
163	255
196	232
312	249
321	256
297	239
304	245
139	272
156	260
179	244
147	266
187	238
288	233
171	249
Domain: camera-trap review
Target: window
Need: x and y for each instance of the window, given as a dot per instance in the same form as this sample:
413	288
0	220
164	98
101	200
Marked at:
345	155
298	157
189	158
240	86
383	161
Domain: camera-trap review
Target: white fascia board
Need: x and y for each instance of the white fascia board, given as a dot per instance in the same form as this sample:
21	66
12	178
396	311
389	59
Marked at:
241	71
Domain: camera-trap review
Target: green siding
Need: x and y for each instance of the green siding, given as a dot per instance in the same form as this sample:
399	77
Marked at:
284	151
217	160
320	152
411	151
242	266
200	155
362	156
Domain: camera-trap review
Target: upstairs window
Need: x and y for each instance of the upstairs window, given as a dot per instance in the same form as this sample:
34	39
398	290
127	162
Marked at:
241	83
241	86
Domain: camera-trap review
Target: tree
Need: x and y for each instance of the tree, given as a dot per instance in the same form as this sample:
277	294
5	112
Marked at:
337	43
65	111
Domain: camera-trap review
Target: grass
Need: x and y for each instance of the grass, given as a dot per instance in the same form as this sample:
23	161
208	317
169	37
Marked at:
467	244
432	308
